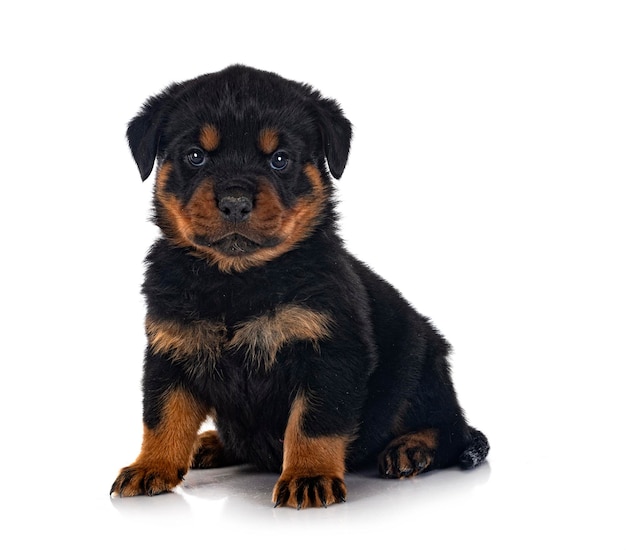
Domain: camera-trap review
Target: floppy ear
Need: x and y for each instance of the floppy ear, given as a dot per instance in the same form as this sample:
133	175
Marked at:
145	130
336	132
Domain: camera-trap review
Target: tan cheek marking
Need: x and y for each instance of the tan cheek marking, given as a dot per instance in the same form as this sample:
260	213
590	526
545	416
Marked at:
183	223
268	140
269	213
263	337
301	222
203	213
209	137
177	225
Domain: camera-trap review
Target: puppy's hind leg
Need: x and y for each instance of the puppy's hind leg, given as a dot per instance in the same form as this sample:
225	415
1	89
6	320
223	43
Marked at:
409	454
416	452
210	452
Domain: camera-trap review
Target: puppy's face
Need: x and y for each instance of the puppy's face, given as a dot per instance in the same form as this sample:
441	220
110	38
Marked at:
242	163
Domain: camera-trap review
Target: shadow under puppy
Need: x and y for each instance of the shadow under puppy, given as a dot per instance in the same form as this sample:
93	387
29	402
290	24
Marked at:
308	363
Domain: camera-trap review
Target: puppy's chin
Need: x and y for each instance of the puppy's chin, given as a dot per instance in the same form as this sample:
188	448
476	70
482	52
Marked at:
235	244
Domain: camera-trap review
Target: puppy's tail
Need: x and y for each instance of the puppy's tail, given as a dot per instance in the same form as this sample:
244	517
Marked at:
476	450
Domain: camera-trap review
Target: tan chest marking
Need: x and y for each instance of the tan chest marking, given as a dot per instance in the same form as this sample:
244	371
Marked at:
199	341
263	337
260	338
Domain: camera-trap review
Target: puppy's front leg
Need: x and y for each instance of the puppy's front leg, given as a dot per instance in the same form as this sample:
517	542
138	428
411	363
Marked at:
167	447
313	467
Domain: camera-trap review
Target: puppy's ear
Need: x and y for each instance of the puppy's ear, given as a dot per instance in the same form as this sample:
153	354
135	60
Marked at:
336	132
145	131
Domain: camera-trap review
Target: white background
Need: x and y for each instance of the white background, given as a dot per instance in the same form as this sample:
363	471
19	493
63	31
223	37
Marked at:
486	182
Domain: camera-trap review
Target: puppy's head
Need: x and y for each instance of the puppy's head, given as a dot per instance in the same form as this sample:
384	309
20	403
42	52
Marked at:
242	158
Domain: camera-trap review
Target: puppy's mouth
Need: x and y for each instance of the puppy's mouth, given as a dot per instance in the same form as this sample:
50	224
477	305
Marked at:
235	244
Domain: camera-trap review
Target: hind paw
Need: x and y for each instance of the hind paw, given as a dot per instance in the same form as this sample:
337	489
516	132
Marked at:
407	456
210	452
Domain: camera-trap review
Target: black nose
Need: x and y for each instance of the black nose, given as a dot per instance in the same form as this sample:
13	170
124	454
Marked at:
235	209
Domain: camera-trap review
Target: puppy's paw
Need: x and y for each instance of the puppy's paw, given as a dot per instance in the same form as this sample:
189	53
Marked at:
210	452
308	491
146	479
405	456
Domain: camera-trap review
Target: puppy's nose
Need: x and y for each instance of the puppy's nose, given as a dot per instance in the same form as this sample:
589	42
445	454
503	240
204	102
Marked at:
235	208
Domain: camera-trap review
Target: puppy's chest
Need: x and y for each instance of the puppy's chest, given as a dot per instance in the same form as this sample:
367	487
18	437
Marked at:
201	346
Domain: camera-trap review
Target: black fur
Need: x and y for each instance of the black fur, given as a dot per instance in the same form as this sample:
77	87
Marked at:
382	369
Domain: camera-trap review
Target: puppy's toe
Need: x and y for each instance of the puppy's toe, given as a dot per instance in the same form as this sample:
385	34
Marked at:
145	479
308	491
210	452
405	457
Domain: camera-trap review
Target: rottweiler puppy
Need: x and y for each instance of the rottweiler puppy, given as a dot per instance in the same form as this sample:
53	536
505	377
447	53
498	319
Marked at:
308	363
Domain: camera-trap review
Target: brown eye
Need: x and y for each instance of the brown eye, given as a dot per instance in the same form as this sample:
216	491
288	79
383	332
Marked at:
279	160
196	157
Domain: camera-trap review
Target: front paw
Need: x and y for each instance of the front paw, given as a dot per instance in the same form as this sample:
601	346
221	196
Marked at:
146	479
301	491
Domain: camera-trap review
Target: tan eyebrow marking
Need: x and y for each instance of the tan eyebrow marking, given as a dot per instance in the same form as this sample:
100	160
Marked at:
209	137
268	140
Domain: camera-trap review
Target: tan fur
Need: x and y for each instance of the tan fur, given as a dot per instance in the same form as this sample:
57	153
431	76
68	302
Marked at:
260	337
167	450
268	140
210	452
309	456
209	138
264	336
306	460
269	220
400	457
201	339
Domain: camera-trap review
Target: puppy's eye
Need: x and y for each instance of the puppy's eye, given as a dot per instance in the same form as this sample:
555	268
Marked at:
279	160
196	157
